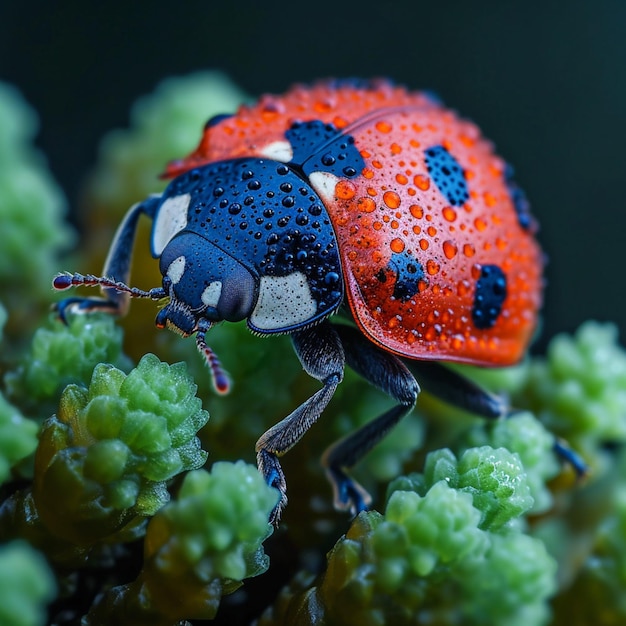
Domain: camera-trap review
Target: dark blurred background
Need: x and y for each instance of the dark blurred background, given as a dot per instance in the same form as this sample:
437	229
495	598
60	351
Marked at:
545	80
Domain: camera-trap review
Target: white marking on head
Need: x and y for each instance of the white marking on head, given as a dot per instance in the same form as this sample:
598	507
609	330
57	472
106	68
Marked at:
211	294
283	301
170	219
278	151
324	184
176	269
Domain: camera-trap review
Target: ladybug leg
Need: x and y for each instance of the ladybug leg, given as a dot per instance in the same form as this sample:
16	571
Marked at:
322	356
571	458
387	372
457	390
116	267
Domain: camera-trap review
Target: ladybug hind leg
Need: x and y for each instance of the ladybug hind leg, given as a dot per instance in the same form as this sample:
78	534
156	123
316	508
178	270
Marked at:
389	374
459	391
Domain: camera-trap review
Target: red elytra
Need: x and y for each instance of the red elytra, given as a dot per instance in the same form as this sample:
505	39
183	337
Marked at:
395	207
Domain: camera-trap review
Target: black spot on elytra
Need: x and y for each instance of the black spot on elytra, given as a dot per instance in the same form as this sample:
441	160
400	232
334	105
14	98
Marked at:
408	272
320	147
355	82
216	119
520	202
489	297
448	175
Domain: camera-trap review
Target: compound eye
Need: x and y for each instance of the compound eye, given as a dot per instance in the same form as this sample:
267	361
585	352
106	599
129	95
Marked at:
238	295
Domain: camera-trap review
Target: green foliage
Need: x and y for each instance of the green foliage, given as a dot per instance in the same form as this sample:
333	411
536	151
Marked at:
108	453
441	549
609	565
31	210
102	464
3	319
197	549
526	436
18	437
218	520
61	354
495	478
26	585
578	390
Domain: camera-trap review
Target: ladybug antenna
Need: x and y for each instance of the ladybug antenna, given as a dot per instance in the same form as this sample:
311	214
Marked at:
221	382
67	280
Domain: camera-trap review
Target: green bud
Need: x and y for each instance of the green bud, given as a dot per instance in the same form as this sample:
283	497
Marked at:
211	536
106	460
18	437
26	586
497	482
107	449
62	354
579	389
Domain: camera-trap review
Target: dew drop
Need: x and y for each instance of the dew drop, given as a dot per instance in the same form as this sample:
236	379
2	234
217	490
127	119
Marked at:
432	267
367	205
449	249
480	224
345	190
449	213
397	245
416	211
422	182
391	199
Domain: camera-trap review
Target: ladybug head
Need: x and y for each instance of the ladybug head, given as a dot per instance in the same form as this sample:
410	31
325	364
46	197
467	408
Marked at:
204	284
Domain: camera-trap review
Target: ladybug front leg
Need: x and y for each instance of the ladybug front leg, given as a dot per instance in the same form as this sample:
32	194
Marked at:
387	372
322	356
116	267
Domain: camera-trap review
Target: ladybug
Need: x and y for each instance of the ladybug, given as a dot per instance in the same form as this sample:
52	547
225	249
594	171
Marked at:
352	197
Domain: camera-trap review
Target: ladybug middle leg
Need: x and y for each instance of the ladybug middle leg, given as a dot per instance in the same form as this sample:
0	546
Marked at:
389	374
